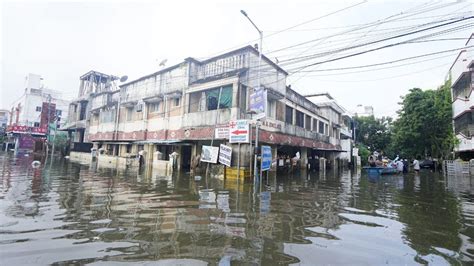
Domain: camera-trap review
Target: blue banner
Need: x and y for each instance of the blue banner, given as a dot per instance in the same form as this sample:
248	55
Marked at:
266	158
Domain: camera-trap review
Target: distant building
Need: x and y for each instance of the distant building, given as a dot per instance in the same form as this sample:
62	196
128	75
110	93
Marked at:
462	77
31	114
339	126
4	118
364	111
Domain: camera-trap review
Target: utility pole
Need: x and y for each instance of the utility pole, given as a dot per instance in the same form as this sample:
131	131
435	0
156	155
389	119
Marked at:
47	123
255	175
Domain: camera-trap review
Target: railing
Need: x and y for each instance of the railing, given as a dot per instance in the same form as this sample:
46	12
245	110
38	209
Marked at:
459	167
81	147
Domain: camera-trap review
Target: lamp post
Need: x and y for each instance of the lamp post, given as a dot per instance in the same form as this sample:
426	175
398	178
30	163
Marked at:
258	85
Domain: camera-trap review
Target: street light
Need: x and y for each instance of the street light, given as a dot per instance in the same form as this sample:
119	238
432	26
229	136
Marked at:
258	85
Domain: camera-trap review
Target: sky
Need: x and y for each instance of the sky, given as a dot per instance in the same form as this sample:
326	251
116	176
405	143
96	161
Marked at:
61	40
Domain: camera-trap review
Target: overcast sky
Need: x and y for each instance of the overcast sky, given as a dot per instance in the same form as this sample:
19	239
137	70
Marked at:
63	40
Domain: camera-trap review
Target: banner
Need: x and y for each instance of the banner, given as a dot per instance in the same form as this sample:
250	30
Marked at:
209	154
225	155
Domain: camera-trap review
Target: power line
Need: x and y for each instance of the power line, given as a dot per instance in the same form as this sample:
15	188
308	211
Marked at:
384	39
389	62
351	55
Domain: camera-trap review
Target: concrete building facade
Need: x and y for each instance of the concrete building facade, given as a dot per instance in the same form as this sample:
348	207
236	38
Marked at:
177	110
462	77
94	89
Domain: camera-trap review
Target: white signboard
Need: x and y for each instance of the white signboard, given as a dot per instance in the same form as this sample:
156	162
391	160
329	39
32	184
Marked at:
239	131
209	154
225	155
222	133
355	151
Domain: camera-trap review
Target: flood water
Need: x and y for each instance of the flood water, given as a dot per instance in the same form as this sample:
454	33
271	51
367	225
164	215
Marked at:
66	213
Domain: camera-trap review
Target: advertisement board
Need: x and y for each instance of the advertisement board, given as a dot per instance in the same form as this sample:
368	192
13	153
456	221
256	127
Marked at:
266	158
225	155
209	154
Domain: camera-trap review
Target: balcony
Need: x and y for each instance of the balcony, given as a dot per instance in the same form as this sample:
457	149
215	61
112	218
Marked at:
465	143
461	105
274	125
346	132
208	118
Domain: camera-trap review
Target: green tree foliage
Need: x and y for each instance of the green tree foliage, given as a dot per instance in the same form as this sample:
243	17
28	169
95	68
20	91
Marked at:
60	141
424	126
374	133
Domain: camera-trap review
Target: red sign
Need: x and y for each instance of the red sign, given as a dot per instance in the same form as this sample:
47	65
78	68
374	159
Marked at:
26	129
238	132
45	119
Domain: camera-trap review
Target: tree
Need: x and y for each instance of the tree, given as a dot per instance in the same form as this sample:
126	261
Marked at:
60	141
374	133
424	126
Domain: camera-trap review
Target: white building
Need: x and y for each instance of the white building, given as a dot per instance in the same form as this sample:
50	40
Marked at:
29	113
4	118
363	111
462	77
339	127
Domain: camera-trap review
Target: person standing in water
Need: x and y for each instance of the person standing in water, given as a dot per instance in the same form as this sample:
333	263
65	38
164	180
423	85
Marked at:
416	165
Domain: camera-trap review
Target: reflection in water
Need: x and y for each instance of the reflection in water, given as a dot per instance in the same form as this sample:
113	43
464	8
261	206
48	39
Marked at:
68	213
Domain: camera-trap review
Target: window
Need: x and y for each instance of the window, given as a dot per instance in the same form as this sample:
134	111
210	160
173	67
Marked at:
315	125
36	124
38	108
271	108
326	129
225	99
129	114
59	112
176	101
129	148
307	122
155	107
299	119
321	127
289	115
207	100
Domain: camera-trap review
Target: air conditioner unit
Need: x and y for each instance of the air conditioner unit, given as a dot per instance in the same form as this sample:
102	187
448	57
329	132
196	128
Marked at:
139	107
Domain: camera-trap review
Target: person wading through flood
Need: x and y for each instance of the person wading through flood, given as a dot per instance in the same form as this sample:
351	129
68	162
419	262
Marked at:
416	164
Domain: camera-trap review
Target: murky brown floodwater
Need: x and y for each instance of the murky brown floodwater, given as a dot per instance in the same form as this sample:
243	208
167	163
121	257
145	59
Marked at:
68	213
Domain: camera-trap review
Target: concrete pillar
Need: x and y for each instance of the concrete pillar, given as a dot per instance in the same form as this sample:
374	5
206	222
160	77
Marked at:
322	164
304	157
149	148
246	156
275	156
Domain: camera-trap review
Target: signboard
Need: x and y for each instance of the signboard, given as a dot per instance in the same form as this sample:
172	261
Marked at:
225	155
266	158
258	103
26	129
209	154
47	108
355	151
26	141
221	133
239	131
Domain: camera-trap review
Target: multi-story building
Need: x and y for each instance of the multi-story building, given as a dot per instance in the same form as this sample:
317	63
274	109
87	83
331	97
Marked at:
339	128
94	90
178	109
363	111
31	114
4	118
462	77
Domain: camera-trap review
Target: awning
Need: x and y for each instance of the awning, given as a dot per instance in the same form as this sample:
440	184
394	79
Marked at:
164	142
